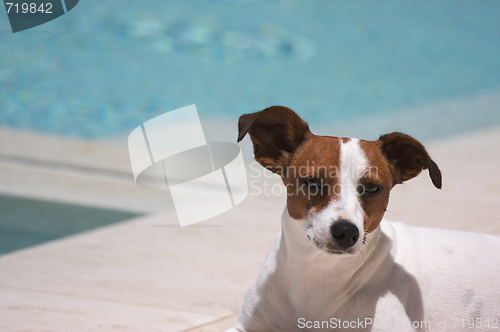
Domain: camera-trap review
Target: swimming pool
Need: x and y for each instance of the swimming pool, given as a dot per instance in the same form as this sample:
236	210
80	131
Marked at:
25	222
106	67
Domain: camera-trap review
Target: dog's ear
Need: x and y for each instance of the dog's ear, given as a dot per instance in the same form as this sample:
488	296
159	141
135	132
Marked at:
407	158
275	132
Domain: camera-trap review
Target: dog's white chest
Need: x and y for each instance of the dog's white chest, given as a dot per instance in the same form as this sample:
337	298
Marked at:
424	278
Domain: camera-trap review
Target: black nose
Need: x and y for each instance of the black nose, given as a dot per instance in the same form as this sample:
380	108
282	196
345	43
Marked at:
345	233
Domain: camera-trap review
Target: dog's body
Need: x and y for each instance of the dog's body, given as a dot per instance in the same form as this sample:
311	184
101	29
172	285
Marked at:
411	277
336	265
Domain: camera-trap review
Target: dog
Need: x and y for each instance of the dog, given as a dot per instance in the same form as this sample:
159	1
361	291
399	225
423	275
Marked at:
337	264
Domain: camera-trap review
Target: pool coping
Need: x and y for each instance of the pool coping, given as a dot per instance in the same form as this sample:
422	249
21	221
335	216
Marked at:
146	274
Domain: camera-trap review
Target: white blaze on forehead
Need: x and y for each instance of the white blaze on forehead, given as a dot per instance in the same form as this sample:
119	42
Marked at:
352	165
352	160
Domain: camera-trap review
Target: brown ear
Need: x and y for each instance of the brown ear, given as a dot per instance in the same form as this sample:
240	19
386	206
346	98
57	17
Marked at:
275	132
407	158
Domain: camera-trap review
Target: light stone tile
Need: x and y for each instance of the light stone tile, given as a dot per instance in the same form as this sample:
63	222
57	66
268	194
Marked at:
151	261
218	326
23	310
99	173
80	188
45	147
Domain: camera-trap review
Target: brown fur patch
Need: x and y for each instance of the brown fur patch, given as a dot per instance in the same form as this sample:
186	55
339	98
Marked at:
316	159
377	172
407	157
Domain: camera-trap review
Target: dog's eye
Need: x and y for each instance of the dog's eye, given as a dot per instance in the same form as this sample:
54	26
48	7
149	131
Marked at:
369	189
312	183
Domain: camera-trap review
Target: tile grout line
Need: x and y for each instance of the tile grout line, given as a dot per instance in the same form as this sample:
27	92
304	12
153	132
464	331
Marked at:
209	323
104	300
60	166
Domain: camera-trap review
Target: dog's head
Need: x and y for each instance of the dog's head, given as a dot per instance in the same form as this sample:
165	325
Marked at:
337	187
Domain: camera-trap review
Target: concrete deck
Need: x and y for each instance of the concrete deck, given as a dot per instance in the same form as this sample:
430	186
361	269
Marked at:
147	274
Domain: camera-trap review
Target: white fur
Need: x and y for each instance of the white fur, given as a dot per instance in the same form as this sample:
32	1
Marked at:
402	274
399	276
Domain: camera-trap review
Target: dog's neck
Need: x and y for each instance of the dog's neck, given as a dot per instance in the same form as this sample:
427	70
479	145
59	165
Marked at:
321	282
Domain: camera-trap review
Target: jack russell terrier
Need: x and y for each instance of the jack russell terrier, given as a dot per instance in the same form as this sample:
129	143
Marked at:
337	265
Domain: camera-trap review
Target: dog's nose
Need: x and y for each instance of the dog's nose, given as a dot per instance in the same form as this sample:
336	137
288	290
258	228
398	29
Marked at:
345	233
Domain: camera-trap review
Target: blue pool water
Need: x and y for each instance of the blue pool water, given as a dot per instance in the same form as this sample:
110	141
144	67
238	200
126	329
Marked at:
107	66
25	222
